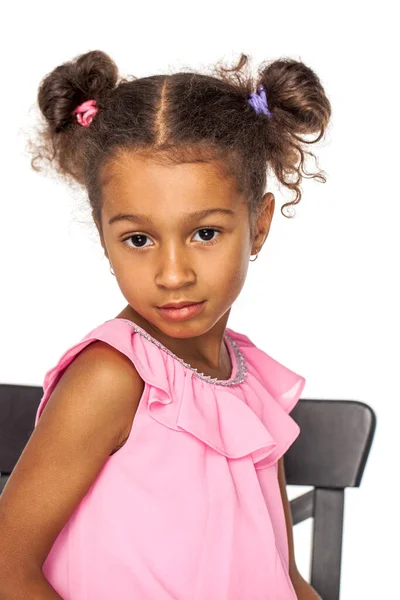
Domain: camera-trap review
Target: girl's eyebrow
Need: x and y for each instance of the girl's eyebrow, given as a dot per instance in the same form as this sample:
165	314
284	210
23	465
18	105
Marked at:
200	214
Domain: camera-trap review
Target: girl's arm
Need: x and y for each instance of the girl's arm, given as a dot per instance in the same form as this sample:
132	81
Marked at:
304	591
35	588
88	414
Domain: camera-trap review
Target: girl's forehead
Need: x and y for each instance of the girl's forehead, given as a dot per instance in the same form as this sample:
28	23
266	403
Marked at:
130	166
132	177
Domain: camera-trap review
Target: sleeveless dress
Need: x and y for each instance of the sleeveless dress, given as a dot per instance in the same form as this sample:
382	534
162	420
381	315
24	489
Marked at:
190	507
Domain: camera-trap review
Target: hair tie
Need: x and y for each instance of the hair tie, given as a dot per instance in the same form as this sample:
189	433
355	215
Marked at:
85	112
259	102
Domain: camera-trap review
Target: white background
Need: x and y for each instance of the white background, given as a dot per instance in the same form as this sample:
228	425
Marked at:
323	295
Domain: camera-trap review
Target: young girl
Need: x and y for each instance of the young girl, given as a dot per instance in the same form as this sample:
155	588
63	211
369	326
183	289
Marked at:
155	469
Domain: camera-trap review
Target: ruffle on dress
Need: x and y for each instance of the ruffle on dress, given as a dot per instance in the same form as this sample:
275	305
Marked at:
247	418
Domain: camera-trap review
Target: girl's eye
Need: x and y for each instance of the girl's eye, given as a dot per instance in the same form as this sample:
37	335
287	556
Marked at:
139	238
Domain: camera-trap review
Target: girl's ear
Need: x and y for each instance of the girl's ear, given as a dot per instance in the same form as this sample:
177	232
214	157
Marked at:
263	224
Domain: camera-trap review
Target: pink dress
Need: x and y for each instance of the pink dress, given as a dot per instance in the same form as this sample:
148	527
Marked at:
190	507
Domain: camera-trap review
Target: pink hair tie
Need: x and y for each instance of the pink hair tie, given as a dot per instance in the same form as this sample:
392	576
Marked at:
85	112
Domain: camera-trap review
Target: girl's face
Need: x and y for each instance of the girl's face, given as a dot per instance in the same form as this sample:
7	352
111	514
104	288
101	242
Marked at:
161	251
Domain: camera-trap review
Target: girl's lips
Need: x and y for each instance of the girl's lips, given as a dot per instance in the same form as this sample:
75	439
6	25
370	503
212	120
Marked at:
178	304
180	314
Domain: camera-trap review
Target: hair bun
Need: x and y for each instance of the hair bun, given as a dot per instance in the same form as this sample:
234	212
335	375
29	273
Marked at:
296	96
92	75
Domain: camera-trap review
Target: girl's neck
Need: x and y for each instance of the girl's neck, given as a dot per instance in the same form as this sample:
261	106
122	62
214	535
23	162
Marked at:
197	360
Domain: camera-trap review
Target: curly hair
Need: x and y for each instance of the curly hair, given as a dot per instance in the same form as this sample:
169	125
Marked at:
183	117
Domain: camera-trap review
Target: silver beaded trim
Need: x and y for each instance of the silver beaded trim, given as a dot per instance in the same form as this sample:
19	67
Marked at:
240	360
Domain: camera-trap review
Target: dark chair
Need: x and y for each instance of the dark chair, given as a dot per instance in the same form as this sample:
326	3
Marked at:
330	454
18	406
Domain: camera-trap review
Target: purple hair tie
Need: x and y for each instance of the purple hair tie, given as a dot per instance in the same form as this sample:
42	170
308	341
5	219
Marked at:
259	102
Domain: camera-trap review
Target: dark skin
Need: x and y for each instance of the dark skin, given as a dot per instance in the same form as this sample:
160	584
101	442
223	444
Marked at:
176	260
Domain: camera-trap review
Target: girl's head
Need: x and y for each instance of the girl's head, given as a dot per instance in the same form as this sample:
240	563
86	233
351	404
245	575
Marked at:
167	146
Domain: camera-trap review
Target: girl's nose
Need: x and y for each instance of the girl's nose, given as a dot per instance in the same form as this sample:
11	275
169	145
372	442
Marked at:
174	268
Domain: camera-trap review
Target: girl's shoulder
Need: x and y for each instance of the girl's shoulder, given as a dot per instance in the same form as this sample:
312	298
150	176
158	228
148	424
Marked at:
117	334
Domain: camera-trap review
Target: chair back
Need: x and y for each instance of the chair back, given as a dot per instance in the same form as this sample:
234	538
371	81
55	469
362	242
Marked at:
330	454
18	406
